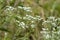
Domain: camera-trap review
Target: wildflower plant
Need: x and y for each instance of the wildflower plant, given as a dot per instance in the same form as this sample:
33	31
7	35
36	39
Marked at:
29	20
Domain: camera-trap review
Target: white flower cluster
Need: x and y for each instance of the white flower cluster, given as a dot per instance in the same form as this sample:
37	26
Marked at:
52	33
29	17
28	9
22	24
51	18
10	8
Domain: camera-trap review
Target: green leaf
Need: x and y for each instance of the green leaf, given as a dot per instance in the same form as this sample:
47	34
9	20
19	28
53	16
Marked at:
3	29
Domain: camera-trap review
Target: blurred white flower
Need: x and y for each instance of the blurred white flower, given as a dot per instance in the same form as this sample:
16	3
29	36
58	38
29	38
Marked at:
17	21
24	18
20	7
34	18
27	26
38	16
32	21
53	28
32	25
19	17
51	18
22	24
54	24
28	9
44	29
29	17
5	34
10	8
44	32
47	36
46	22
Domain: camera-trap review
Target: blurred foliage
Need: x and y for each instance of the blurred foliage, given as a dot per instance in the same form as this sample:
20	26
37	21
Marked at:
29	20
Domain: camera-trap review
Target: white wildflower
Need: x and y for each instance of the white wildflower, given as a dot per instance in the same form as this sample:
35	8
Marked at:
24	18
17	21
46	22
22	24
54	24
26	8
32	21
19	17
20	7
47	36
5	34
32	25
10	8
44	29
51	18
